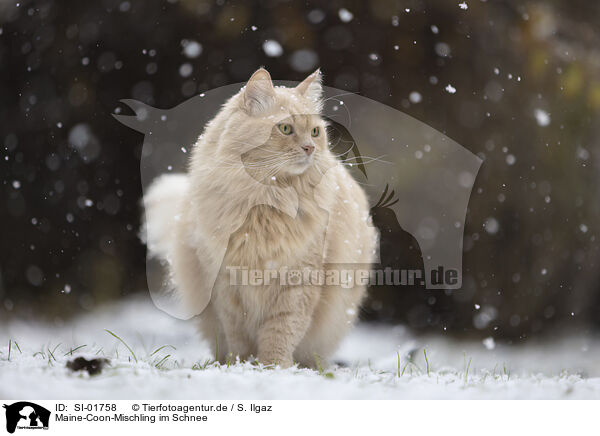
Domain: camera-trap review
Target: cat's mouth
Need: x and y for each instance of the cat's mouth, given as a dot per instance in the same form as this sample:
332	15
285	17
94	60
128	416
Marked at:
301	165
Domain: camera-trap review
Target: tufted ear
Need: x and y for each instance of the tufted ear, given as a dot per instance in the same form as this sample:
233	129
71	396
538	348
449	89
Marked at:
259	94
311	87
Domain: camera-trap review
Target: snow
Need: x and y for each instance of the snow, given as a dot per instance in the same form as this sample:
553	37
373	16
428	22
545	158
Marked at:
345	15
442	49
450	89
415	97
82	139
582	153
542	117
316	16
272	48
185	70
191	49
304	60
491	225
489	343
565	367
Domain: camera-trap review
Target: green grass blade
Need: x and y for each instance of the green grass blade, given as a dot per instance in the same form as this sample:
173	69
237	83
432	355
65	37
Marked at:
53	351
124	343
160	348
467	371
404	369
162	361
72	350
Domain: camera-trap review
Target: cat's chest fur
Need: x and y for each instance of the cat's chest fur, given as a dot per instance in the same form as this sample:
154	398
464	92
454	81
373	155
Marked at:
270	238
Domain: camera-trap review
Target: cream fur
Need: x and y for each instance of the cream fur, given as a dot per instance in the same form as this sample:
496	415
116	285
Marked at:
254	190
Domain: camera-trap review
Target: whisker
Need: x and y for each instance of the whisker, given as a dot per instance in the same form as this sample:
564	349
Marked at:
366	159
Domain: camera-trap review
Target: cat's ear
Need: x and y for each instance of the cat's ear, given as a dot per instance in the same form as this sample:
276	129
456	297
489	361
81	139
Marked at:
311	87
259	93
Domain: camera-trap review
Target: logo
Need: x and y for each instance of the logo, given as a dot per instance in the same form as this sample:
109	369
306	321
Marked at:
25	415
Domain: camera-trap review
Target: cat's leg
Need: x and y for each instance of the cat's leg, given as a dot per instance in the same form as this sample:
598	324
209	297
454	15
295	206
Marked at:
213	332
229	309
238	343
332	319
286	323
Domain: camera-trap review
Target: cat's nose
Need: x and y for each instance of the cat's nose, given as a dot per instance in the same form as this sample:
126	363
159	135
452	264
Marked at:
308	149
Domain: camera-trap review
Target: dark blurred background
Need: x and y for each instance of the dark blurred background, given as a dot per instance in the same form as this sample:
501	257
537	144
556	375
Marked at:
527	101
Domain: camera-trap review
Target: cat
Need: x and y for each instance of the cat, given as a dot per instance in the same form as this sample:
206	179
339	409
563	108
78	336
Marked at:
263	191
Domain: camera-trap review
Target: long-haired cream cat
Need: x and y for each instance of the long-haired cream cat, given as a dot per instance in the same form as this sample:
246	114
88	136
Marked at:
264	192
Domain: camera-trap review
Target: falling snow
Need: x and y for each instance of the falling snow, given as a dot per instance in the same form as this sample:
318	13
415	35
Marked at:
345	15
272	48
415	97
491	225
185	70
191	49
542	117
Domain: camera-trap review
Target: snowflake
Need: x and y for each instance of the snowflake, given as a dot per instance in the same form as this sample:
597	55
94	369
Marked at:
451	89
345	15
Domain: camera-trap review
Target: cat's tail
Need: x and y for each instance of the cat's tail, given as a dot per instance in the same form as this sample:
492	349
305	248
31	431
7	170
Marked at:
162	206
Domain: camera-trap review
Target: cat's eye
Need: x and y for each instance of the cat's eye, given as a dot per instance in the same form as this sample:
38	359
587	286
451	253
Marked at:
314	132
285	128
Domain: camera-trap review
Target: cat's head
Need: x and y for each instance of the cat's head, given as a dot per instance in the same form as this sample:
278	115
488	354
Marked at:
278	130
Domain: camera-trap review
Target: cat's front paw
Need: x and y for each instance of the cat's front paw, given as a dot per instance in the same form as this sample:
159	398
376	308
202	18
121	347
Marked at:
269	359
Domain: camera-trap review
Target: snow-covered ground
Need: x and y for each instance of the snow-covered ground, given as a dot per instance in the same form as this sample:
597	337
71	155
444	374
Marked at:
568	367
